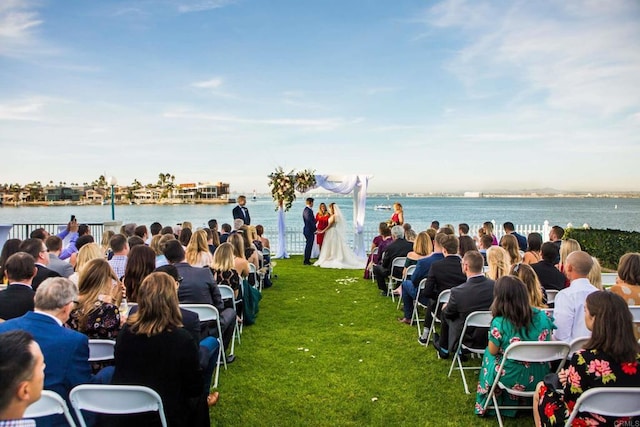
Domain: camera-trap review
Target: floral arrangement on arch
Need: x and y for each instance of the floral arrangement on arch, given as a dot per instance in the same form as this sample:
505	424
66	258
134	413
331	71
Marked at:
284	185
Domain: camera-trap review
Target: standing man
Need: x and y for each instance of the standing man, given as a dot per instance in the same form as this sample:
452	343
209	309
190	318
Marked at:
241	212
309	229
509	228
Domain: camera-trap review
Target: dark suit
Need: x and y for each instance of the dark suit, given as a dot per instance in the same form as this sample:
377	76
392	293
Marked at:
398	248
241	212
550	277
444	274
476	294
308	231
199	287
42	274
224	237
66	355
15	301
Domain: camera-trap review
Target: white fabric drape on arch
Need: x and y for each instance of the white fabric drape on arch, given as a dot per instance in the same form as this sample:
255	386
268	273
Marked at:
351	183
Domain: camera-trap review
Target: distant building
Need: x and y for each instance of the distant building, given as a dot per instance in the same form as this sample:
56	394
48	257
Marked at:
93	196
472	194
202	191
61	194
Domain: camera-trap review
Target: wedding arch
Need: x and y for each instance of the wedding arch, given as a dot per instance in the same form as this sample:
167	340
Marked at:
283	186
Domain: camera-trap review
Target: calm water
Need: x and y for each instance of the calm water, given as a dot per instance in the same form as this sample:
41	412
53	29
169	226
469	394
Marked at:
623	214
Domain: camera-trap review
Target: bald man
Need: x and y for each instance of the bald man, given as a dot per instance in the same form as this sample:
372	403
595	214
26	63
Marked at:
569	303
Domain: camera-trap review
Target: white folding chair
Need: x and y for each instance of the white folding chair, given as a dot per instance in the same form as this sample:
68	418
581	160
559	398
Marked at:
406	276
477	319
398	262
101	350
226	292
373	252
442	298
635	312
608	401
551	295
115	399
577	344
525	351
50	403
256	277
208	313
417	304
609	279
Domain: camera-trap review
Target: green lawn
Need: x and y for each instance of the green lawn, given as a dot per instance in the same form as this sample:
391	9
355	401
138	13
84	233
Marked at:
325	352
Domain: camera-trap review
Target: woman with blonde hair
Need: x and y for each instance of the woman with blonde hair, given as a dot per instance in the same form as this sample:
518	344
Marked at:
86	253
197	253
498	261
97	314
398	215
566	247
106	237
154	350
251	253
510	244
595	274
488	230
241	265
223	268
534	289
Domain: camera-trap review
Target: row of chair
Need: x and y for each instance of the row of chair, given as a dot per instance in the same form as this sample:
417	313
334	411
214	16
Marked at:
98	398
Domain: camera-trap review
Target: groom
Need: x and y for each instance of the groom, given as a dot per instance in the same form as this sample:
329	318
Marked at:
309	229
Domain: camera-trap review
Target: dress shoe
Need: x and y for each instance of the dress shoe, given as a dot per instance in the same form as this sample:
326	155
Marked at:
231	358
441	353
423	340
307	263
404	320
383	293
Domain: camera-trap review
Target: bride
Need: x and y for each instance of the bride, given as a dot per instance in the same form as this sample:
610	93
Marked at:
335	253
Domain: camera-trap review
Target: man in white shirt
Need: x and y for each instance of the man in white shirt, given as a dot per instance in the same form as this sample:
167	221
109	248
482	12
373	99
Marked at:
569	304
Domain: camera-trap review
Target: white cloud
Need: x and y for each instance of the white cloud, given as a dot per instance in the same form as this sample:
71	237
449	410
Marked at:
208	84
17	27
202	5
27	110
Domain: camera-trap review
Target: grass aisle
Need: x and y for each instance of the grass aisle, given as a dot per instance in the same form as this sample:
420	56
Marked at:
327	350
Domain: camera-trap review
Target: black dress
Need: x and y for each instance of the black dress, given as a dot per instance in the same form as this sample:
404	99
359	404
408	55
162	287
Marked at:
167	363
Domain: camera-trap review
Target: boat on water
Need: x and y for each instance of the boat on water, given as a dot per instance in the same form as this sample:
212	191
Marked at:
382	208
254	197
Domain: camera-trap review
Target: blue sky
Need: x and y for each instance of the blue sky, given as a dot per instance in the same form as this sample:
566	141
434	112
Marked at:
423	95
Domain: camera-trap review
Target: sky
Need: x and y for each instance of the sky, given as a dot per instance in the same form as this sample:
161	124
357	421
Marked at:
424	96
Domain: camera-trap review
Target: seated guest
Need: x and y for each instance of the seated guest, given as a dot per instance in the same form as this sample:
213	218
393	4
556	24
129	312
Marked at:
104	243
466	244
251	252
609	359
72	231
17	299
498	262
476	294
240	262
410	287
485	242
534	249
211	243
135	241
65	351
513	320
422	248
628	282
534	289
374	257
10	247
21	377
398	248
224	234
223	268
197	253
444	274
566	247
184	237
555	236
263	239
488	230
199	287
510	244
80	243
54	246
120	249
569	303
463	229
510	229
550	277
155	351
595	274
86	254
157	244
37	249
97	314
141	232
155	228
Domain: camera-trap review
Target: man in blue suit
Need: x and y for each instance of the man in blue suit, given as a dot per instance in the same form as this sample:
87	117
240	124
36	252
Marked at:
309	229
66	352
509	228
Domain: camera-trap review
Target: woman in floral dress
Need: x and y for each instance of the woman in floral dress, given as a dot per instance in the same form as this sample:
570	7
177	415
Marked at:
513	320
611	358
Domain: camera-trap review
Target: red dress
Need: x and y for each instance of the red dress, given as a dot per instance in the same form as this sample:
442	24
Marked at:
321	223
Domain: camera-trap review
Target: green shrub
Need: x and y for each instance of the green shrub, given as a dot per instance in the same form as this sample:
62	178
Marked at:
606	245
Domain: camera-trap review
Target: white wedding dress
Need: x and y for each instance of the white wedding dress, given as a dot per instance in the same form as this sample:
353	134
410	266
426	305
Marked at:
335	253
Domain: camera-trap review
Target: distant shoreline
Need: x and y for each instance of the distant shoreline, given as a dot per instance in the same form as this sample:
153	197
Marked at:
120	203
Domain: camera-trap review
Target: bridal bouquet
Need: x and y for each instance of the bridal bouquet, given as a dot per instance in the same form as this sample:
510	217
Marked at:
282	188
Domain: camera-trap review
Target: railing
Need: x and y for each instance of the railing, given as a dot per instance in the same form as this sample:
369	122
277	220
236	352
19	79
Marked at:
294	236
23	231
